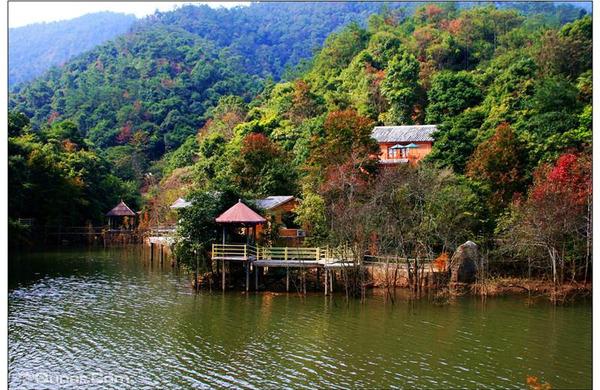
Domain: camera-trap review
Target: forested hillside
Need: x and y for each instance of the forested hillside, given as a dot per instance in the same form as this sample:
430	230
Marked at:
473	72
33	49
511	164
510	90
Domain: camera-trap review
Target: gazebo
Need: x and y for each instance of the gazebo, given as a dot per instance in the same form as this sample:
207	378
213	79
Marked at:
240	215
116	216
181	203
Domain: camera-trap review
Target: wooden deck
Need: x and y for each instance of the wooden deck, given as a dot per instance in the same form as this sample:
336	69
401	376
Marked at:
279	256
327	259
254	257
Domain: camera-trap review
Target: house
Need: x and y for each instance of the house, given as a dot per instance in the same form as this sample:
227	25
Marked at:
404	144
279	211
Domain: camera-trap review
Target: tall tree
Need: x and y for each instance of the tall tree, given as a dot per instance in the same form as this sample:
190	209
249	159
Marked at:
400	87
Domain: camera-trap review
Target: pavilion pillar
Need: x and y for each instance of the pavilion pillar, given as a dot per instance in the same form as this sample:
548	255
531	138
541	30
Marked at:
223	276
256	278
318	277
287	279
247	262
326	281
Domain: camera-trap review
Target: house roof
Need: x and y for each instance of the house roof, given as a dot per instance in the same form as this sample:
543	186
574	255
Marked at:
121	210
180	203
270	202
416	133
240	213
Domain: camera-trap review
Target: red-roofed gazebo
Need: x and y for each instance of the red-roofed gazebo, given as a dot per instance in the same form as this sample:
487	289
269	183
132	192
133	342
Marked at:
242	215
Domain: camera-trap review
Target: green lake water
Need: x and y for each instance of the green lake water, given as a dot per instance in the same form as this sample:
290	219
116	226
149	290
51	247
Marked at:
111	319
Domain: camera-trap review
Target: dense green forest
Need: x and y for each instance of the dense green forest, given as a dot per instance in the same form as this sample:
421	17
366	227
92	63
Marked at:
509	87
33	49
511	162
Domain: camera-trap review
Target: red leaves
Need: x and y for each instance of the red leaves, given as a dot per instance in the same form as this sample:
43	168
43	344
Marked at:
569	178
53	116
260	144
125	134
348	122
432	10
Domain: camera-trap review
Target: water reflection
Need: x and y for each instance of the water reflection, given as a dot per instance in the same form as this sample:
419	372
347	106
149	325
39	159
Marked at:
115	312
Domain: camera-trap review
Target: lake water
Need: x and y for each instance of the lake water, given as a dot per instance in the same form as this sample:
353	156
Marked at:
102	319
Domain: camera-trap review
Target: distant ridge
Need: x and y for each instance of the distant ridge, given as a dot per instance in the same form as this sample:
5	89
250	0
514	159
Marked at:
34	48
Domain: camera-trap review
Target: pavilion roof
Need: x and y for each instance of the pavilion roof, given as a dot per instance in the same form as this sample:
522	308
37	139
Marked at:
240	213
121	210
181	203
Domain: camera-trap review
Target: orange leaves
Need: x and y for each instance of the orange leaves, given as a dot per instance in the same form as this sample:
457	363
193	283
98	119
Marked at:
455	26
500	162
441	262
259	143
534	384
347	122
432	11
99	65
69	146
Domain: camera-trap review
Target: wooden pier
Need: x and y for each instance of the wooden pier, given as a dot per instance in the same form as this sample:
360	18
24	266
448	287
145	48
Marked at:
254	257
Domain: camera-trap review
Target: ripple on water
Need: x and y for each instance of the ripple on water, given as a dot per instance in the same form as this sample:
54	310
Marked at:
119	315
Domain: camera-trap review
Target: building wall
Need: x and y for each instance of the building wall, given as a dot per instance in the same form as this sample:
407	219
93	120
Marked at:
414	155
276	214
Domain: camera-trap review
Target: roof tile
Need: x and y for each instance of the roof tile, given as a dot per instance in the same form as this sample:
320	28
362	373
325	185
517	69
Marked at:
416	133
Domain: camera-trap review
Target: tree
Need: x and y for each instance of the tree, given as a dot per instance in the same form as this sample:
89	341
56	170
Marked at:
500	163
455	140
552	226
262	168
311	214
65	131
197	229
347	141
400	87
17	123
450	94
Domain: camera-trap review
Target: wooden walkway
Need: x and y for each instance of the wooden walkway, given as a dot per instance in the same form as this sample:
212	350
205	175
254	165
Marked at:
254	257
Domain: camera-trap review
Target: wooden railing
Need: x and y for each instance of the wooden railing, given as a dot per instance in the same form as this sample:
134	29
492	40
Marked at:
234	251
263	253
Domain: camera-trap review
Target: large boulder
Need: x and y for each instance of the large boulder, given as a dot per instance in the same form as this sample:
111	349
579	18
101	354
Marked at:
463	264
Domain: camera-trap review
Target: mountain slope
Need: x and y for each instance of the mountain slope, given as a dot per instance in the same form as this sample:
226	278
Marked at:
145	93
35	48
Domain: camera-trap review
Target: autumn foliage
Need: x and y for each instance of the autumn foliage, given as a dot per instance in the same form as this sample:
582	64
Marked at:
500	163
553	224
569	178
534	384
